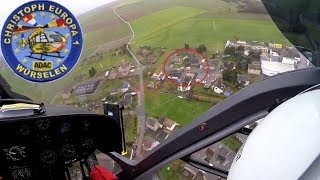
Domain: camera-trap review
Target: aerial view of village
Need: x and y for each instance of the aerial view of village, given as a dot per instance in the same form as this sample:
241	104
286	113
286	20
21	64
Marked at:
167	62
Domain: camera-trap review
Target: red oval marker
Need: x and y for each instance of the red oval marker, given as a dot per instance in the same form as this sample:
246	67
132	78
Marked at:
206	69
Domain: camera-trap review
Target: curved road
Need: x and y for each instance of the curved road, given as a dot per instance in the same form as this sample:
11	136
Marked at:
141	104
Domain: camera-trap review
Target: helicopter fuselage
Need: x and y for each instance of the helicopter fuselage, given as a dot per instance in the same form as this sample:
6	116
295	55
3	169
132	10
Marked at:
43	42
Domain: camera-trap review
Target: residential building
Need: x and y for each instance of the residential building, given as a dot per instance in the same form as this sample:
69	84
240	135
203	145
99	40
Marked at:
210	79
254	68
114	91
192	61
158	74
112	75
126	100
290	56
218	87
255	45
125	86
151	59
209	155
274	56
148	144
174	74
190	75
222	154
185	84
169	124
177	60
124	67
193	173
213	65
153	124
207	84
245	79
201	77
150	85
209	65
133	92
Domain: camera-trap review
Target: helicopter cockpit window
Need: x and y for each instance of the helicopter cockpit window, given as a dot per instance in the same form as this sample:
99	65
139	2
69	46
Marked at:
43	38
55	37
130	58
38	38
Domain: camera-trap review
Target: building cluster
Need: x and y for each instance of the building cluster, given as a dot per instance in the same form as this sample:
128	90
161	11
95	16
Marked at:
127	91
274	59
187	70
158	130
121	70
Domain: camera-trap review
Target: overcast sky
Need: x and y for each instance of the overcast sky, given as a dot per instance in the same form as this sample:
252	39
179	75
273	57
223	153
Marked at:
77	7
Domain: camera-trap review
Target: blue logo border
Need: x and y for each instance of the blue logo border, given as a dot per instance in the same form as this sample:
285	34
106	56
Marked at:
69	62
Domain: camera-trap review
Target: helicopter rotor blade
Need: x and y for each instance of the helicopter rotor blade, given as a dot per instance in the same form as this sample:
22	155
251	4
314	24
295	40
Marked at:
56	23
22	29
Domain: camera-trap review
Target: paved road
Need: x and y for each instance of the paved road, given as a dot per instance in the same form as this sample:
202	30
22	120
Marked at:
141	104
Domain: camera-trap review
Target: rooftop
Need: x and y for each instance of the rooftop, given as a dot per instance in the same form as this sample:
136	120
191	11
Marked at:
192	60
176	59
219	84
151	121
158	72
168	122
87	87
277	67
290	53
175	73
151	59
125	85
186	80
149	143
201	75
254	66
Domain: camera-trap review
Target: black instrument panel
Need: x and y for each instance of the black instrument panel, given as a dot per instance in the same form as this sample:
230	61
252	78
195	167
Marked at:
40	147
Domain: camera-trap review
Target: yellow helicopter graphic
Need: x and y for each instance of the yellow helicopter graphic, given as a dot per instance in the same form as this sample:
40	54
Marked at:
43	42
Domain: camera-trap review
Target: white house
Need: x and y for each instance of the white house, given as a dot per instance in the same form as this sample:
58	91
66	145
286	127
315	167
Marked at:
169	124
218	87
158	74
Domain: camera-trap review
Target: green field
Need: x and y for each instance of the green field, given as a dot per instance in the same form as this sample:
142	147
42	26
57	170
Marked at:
149	25
180	110
145	8
212	32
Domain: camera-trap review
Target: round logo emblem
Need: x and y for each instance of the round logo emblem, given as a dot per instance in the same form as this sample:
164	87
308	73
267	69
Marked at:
41	41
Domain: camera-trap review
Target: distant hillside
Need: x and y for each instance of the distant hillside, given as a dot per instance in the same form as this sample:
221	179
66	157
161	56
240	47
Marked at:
101	26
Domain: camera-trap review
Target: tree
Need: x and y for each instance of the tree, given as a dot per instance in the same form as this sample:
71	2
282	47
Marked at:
187	46
240	51
92	71
202	48
230	50
230	76
244	64
254	55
